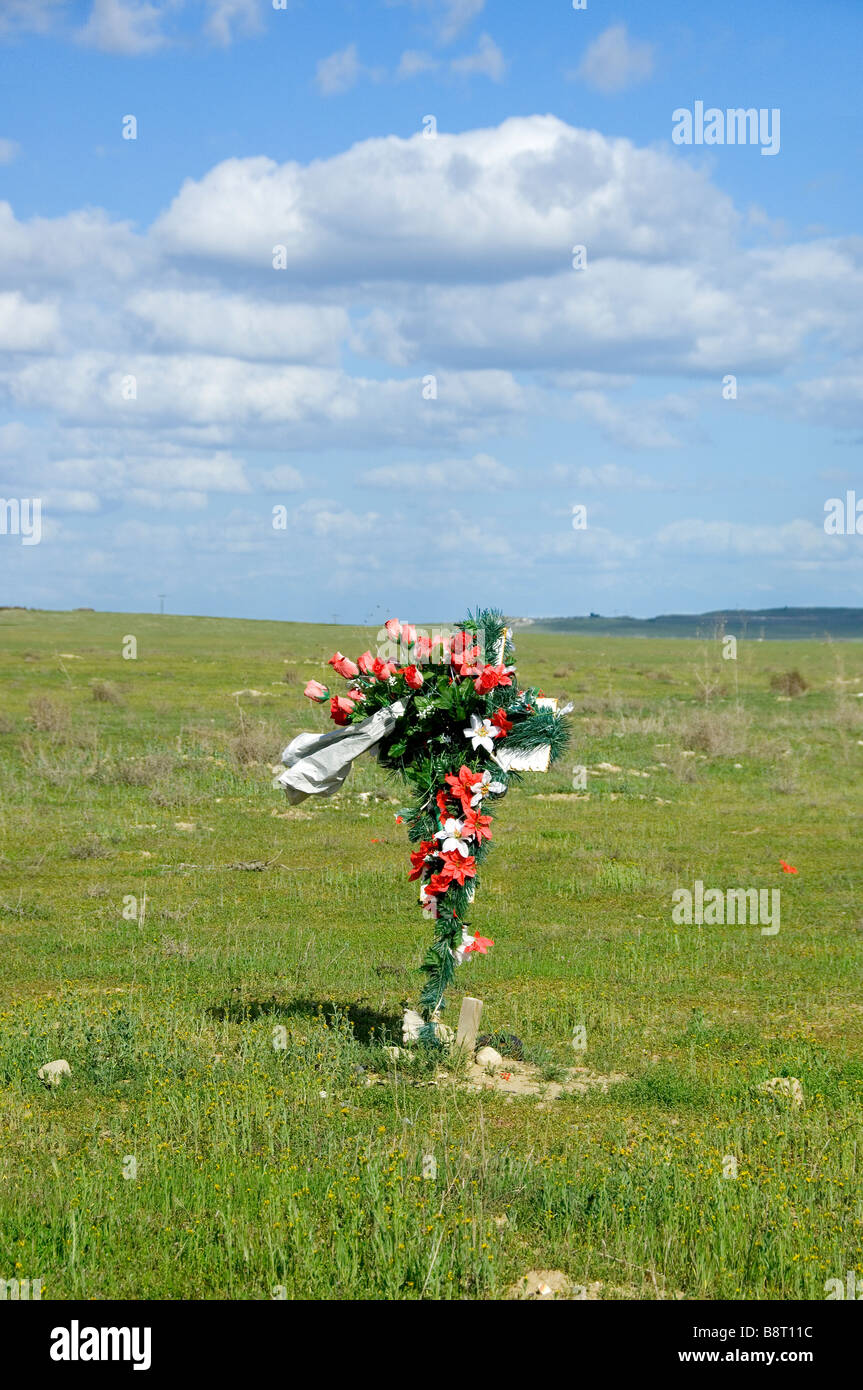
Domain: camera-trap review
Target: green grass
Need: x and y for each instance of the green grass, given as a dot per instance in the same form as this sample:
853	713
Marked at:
124	780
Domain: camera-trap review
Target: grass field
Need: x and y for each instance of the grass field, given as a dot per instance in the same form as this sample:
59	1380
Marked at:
260	1169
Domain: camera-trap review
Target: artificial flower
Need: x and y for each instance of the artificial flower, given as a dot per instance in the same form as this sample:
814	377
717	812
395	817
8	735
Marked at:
479	944
366	663
500	721
490	677
413	677
382	669
344	666
356	694
317	692
452	837
477	827
341	709
393	627
481	733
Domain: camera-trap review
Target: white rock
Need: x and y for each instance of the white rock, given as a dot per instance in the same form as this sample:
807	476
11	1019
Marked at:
412	1023
783	1086
488	1057
53	1072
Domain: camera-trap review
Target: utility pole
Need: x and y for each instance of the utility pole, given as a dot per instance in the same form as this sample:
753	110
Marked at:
161	598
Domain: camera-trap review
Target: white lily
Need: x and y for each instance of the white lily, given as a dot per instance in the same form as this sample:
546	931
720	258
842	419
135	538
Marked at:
452	836
460	951
486	785
481	733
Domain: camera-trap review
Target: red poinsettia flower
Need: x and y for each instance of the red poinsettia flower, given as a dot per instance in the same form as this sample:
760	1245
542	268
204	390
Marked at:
500	721
477	826
458	866
788	868
479	944
463	785
441	799
418	857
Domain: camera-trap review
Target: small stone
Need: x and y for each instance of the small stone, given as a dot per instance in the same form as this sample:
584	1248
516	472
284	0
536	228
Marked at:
488	1057
53	1072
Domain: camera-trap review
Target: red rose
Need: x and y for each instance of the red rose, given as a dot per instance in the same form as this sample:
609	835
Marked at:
413	677
341	709
317	692
344	666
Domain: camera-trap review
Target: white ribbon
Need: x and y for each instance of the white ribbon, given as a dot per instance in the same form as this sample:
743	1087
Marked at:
317	764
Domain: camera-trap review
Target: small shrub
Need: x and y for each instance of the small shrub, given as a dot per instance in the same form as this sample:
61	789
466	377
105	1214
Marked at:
788	683
105	692
48	717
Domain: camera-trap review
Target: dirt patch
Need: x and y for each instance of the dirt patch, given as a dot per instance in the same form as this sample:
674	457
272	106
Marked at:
522	1079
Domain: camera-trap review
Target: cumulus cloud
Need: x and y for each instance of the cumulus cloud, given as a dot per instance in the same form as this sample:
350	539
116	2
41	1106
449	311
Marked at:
614	62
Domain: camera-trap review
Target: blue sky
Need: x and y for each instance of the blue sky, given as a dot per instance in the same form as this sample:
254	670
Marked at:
150	261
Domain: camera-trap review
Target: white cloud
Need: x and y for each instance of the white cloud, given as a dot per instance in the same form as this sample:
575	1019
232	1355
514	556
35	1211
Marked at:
26	327
487	61
127	27
413	61
614	62
9	150
225	15
484	205
205	320
35	16
282	478
339	72
481	470
448	17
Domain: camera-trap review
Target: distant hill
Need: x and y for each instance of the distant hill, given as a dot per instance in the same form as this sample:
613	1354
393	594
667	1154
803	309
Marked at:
753	623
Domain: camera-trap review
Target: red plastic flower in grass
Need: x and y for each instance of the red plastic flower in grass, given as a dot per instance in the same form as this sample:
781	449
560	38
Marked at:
356	694
422	649
489	678
441	799
788	868
499	719
382	669
366	663
341	709
344	666
477	826
480	944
